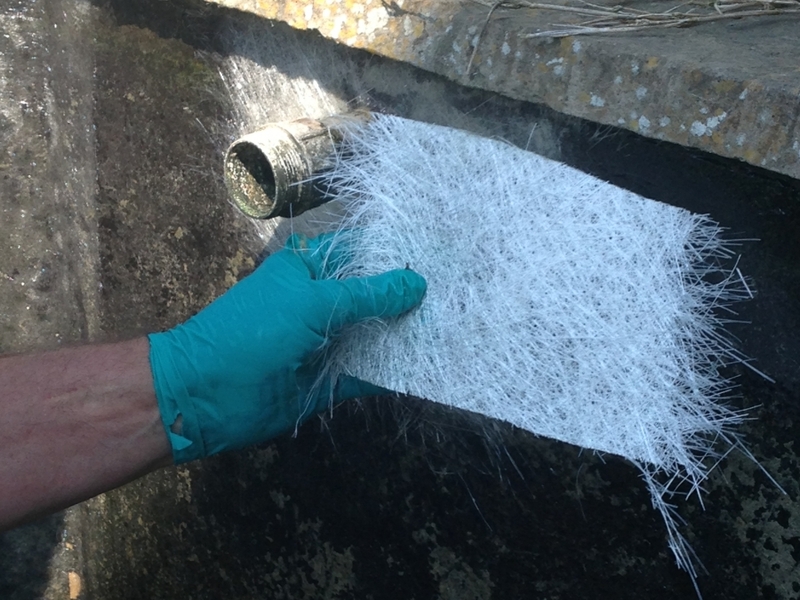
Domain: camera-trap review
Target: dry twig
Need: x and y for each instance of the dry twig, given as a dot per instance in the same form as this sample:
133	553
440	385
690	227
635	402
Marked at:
615	19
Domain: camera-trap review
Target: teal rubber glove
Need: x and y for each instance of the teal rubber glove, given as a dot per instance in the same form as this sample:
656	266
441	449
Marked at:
248	367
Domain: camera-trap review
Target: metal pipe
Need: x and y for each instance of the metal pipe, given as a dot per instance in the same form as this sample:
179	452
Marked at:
271	172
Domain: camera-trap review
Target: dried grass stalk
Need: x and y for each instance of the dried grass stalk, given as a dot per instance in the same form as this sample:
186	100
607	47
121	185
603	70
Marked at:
618	19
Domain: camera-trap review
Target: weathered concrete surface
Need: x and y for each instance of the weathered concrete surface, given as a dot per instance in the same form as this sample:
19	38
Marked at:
391	499
48	234
48	278
357	510
730	88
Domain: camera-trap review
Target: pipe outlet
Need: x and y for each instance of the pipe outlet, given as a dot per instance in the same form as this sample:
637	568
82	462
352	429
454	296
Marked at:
271	172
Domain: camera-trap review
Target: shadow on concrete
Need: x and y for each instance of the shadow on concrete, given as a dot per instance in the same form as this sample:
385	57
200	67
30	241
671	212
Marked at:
25	555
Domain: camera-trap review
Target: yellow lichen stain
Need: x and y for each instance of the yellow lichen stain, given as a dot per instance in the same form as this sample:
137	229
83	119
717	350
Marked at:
178	233
754	86
565	50
183	489
752	156
633	124
75	585
350	30
651	63
725	86
264	8
391	40
584	98
412	27
368	24
295	15
236	264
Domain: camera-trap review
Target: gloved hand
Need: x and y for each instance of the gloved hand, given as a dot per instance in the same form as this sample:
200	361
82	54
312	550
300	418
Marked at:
247	367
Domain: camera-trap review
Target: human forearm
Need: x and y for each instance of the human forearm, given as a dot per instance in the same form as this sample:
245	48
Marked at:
245	369
75	422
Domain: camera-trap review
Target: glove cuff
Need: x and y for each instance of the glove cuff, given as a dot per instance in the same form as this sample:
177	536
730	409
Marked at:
175	402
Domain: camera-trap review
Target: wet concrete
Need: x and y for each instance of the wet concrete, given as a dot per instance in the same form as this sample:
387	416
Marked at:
49	249
391	498
48	232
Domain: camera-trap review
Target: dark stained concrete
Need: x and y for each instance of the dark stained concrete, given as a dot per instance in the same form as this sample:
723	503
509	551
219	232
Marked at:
395	498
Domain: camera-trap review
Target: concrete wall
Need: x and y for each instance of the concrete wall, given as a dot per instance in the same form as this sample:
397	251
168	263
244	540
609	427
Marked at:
389	499
729	87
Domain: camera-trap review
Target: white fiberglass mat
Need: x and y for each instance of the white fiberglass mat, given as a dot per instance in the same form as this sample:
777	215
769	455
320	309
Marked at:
557	302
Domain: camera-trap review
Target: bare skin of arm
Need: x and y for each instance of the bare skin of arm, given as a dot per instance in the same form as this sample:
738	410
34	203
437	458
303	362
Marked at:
74	423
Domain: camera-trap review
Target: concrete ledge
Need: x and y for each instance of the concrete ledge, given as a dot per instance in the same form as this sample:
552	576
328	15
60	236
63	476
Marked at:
730	88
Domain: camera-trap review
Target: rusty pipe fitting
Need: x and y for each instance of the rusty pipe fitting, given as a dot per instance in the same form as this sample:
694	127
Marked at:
271	172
